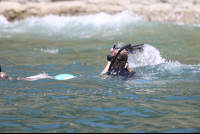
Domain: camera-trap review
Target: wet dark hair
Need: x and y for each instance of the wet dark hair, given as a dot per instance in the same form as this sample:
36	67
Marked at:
0	68
124	47
122	57
4	76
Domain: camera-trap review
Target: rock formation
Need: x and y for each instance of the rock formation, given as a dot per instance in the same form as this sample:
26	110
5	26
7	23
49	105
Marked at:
186	11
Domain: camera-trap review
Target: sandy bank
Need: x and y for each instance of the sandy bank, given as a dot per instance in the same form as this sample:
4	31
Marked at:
187	11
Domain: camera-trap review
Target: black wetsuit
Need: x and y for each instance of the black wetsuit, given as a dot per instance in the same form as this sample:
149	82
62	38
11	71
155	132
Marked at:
120	71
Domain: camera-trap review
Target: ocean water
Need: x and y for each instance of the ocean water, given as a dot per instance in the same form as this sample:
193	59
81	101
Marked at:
163	96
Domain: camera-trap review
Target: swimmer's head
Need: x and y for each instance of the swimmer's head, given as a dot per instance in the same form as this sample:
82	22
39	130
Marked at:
0	68
123	55
4	76
121	58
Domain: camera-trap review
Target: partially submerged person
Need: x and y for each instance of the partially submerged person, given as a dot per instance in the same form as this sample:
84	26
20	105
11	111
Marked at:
118	63
4	77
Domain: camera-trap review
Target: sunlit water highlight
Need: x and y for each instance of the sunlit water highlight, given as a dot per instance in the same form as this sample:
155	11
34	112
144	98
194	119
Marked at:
162	97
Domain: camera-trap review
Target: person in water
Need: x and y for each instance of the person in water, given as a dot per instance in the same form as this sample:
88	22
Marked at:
118	64
5	77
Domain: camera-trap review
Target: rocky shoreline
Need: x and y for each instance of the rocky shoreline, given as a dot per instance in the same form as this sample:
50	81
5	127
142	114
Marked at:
185	11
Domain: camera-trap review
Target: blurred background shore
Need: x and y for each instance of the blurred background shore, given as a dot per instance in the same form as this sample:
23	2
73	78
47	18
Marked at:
184	11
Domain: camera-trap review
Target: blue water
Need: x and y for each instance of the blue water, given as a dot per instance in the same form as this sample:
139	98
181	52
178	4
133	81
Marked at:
163	96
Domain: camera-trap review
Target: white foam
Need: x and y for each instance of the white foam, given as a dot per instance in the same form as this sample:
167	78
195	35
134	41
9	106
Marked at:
3	20
52	51
72	26
94	19
150	56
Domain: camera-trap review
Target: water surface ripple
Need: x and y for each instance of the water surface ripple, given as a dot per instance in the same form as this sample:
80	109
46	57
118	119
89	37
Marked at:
163	96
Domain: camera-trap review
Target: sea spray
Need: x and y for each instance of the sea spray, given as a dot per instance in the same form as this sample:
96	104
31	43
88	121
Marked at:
151	63
149	56
101	24
3	20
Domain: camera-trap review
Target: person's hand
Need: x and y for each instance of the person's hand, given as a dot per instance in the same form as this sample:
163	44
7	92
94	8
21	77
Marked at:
129	70
132	70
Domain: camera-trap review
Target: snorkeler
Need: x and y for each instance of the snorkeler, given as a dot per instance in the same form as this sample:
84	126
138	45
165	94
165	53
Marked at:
4	77
118	63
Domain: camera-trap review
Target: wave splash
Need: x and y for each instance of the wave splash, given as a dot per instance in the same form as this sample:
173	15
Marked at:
150	56
74	26
150	62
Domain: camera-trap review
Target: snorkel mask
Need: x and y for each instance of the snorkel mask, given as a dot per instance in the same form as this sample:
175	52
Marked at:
109	57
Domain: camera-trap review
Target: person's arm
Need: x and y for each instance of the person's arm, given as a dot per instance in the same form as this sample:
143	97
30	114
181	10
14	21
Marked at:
25	79
129	70
36	77
108	65
106	68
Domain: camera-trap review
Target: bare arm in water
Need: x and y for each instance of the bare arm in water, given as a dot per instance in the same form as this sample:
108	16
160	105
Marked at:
106	68
4	76
108	65
36	77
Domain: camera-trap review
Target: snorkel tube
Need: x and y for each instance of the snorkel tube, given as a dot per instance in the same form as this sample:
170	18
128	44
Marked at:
124	47
133	49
